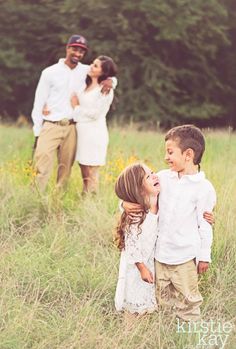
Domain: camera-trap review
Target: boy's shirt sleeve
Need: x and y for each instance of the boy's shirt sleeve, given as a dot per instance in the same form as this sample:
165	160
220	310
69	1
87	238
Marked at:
206	202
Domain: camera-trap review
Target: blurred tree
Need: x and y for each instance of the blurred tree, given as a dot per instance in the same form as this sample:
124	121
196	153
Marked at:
169	54
166	53
30	38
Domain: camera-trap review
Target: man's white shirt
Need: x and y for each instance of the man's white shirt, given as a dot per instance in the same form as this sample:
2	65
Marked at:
55	88
183	232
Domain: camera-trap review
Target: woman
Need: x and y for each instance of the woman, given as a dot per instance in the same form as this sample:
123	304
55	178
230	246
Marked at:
90	110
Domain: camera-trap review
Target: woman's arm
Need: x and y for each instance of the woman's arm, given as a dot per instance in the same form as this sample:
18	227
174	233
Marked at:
97	107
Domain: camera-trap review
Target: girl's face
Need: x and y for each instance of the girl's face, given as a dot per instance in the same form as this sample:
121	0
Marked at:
151	183
95	69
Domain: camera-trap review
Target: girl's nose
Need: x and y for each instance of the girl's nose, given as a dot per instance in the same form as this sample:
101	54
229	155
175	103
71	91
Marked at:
154	176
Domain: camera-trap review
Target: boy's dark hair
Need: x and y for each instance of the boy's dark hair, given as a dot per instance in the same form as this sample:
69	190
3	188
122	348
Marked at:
188	136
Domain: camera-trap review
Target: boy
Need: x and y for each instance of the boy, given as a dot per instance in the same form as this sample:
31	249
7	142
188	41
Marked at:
184	241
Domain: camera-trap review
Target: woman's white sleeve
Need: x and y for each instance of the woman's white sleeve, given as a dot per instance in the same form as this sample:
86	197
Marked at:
98	107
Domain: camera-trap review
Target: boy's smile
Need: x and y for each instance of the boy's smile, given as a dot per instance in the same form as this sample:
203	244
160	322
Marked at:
178	160
175	158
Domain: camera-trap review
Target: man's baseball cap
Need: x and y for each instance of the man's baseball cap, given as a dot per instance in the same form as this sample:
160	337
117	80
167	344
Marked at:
78	41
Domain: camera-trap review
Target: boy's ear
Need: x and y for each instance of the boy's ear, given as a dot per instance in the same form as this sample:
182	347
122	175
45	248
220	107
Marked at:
189	153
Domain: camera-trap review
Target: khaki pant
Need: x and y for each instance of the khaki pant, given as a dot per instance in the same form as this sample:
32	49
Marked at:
90	175
177	287
53	138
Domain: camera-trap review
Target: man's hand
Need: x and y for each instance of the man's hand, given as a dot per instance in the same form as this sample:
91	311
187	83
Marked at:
34	147
209	217
106	86
35	143
202	267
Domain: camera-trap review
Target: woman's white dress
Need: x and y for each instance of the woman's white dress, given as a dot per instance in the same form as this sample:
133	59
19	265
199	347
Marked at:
92	133
132	293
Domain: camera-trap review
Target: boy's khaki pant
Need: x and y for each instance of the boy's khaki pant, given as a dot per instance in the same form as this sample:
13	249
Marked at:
54	138
177	287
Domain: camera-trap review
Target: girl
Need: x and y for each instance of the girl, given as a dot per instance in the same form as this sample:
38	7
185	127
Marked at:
135	290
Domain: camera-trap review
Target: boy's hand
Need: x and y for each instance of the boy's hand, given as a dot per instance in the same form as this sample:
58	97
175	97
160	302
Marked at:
209	217
202	267
134	211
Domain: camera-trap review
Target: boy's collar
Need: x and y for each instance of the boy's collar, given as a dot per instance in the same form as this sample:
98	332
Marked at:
194	178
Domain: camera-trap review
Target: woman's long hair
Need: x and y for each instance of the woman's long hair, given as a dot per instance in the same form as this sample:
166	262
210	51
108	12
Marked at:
129	187
109	69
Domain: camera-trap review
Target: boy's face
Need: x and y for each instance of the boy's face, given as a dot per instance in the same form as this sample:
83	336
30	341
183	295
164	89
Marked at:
175	158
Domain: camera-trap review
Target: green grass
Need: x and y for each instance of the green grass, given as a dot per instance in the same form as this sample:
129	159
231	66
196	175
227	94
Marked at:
58	264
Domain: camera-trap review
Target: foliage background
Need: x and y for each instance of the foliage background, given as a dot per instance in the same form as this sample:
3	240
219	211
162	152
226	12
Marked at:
176	59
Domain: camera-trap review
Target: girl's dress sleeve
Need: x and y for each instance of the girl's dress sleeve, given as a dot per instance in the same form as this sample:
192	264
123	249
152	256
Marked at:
140	242
133	248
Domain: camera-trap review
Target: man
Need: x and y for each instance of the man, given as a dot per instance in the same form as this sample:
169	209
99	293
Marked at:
55	131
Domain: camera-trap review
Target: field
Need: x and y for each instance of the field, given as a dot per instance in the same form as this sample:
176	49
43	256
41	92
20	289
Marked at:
58	263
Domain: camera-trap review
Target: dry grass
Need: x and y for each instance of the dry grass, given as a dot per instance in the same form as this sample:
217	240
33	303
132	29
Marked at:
58	265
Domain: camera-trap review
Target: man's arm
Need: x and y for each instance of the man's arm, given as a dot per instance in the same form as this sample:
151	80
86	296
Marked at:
41	95
108	84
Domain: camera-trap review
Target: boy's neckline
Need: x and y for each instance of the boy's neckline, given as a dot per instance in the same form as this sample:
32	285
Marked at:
193	177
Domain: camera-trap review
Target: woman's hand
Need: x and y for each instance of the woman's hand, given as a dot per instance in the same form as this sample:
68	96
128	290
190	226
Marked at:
74	101
45	110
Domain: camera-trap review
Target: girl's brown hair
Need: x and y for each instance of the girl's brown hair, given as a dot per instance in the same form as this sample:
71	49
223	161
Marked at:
129	187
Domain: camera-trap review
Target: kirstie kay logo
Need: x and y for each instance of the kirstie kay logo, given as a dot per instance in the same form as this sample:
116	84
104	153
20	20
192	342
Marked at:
210	334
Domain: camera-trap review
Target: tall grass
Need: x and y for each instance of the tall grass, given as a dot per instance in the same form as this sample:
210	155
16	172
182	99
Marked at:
58	264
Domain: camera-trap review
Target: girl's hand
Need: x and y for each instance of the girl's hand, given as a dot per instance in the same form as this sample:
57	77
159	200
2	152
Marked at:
147	276
209	217
45	110
145	273
74	101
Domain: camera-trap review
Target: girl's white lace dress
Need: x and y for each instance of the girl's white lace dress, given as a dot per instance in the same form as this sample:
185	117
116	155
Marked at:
132	293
